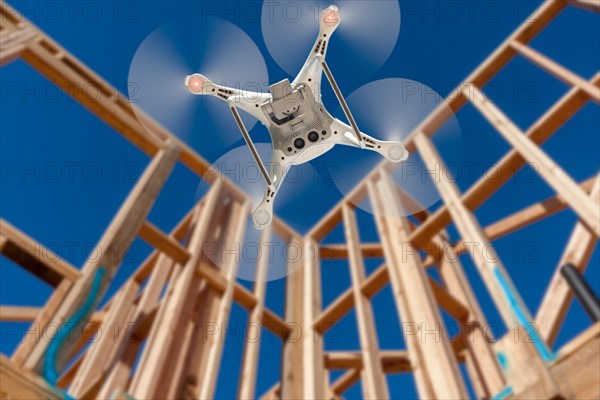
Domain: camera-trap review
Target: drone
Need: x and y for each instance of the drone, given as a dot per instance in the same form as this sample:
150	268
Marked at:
300	127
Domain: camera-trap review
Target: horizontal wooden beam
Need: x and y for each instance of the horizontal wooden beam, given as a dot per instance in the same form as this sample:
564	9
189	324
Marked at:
527	216
34	257
558	71
340	251
245	298
29	314
544	165
18	383
161	241
588	5
392	361
376	281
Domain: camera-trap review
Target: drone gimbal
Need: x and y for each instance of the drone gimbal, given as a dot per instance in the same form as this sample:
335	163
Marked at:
300	127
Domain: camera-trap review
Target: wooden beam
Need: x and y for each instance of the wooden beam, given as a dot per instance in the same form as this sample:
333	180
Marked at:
481	361
248	374
113	244
14	41
99	356
552	173
146	380
237	228
314	376
523	355
391	361
588	5
557	70
345	381
340	251
529	215
30	314
159	240
292	375
274	393
558	297
510	164
21	384
374	385
42	320
35	257
422	314
376	281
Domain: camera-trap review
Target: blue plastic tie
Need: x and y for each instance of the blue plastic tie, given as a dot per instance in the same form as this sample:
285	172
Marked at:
65	331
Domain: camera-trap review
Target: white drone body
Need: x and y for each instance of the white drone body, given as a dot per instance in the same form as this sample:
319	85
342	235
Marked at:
301	129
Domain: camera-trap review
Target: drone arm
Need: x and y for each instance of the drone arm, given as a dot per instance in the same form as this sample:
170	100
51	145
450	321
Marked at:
393	151
247	101
328	23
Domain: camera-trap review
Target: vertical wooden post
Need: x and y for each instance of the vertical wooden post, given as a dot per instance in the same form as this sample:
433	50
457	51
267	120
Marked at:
41	321
247	385
121	371
99	356
552	173
292	368
235	237
480	358
523	356
147	377
312	341
558	296
374	384
417	362
113	245
437	355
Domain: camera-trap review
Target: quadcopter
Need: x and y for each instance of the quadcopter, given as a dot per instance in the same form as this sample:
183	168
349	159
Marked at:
300	127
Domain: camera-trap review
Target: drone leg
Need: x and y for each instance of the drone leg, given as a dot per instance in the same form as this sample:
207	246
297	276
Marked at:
393	151
263	214
342	101
249	142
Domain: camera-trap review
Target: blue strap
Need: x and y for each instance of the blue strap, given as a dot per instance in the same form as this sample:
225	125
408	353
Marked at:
538	342
50	373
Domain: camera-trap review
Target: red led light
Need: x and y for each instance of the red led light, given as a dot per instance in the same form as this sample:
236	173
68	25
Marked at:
195	84
331	17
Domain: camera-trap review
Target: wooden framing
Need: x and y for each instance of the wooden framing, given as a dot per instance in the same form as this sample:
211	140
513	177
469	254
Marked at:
174	305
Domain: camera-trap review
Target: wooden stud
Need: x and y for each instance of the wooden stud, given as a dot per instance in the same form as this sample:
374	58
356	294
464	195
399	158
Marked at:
557	299
114	243
147	378
35	257
312	342
248	375
374	384
545	166
100	354
522	354
421	313
214	343
557	70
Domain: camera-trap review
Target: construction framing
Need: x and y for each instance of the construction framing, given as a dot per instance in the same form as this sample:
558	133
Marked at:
176	290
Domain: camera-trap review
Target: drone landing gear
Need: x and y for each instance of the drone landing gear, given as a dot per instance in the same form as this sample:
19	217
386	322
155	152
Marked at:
263	214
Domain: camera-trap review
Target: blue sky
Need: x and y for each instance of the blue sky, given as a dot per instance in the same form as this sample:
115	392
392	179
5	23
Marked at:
65	173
